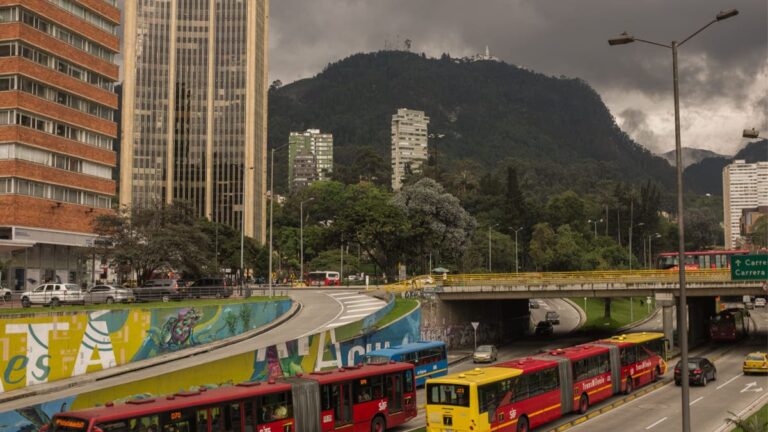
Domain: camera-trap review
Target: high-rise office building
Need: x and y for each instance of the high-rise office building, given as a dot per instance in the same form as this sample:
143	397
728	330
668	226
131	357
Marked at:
310	157
745	185
57	132
409	144
195	108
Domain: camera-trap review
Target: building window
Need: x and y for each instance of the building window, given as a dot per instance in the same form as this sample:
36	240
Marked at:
25	119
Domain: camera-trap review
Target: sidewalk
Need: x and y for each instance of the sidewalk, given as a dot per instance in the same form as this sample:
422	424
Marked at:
458	356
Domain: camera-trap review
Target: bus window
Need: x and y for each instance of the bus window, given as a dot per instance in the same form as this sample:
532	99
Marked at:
628	356
274	407
141	424
409	380
232	420
250	416
448	394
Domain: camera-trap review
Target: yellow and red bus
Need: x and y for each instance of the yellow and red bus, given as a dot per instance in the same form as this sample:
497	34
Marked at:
523	394
729	325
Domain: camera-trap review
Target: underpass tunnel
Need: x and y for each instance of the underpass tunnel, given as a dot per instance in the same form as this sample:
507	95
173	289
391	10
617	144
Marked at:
499	321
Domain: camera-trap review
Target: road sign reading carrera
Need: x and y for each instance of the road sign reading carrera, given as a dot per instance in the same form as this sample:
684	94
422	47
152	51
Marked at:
749	267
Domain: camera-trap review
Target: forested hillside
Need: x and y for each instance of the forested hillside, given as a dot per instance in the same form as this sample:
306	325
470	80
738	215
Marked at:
555	130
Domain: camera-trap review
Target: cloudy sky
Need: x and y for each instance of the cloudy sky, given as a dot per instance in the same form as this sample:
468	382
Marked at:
723	71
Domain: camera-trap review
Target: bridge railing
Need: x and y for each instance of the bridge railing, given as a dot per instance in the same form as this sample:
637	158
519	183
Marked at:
591	277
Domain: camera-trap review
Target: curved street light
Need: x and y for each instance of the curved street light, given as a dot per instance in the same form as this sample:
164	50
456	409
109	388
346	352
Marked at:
626	38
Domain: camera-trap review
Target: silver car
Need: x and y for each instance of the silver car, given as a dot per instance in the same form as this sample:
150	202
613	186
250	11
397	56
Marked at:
485	354
109	294
53	294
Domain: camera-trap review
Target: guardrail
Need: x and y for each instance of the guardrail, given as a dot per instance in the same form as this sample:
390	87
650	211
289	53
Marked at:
606	276
558	278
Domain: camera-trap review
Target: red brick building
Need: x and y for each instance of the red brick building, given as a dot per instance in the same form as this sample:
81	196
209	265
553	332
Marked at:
57	135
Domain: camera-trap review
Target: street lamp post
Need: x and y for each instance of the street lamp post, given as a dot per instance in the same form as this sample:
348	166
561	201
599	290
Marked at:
517	267
681	316
301	235
242	230
650	248
271	211
595	222
490	227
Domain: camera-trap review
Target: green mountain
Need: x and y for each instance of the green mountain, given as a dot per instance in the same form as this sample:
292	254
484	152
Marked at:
706	176
555	130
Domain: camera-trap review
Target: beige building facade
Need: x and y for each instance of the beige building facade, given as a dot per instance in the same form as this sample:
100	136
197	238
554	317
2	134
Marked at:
745	186
195	108
409	144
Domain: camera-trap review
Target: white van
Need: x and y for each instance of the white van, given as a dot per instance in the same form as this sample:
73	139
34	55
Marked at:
323	278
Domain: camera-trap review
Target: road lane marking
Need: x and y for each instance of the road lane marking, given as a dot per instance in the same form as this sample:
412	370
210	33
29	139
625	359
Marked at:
700	398
729	381
363	309
749	388
655	424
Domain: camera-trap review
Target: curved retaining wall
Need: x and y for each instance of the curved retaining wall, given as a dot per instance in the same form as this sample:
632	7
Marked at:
310	353
46	347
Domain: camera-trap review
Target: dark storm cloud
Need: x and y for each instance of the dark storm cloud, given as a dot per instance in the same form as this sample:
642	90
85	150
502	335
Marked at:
720	70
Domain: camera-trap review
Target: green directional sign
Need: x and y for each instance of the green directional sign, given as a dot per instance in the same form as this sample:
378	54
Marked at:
749	267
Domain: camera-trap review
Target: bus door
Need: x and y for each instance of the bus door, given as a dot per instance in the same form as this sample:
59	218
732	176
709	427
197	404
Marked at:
395	392
341	394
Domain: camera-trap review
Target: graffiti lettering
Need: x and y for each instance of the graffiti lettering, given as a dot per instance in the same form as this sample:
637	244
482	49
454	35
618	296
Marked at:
37	346
96	340
14	366
44	366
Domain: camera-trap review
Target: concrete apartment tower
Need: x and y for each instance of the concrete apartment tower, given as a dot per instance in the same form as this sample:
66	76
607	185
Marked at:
409	144
195	108
310	157
57	132
745	186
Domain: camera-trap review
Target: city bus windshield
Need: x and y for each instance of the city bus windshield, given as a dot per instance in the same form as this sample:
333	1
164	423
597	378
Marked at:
448	394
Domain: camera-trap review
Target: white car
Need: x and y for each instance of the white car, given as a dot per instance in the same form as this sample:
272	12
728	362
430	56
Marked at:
53	294
5	294
760	302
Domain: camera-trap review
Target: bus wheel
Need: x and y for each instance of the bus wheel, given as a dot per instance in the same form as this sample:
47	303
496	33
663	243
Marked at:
522	424
378	425
628	389
583	404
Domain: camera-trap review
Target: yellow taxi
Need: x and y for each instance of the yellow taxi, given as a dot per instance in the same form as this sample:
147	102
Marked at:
756	362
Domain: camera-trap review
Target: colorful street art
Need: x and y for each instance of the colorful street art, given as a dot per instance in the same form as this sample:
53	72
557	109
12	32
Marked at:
50	347
306	354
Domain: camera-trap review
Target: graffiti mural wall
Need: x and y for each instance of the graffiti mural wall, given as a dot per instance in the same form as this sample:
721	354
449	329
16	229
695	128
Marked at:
306	354
42	348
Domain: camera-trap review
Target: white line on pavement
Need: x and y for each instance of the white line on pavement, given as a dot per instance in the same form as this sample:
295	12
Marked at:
363	309
693	402
729	381
354	316
351	297
362	301
656	423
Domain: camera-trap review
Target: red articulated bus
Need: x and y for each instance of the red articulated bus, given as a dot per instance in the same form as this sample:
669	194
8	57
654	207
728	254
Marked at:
710	259
729	325
524	394
360	398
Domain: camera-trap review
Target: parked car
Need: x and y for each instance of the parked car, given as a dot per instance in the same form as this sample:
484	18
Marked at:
52	294
553	317
760	302
700	371
544	328
109	294
163	290
218	287
756	362
485	353
5	294
533	304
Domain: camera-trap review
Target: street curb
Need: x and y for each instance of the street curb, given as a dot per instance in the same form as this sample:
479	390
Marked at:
630	326
752	408
459	359
582	316
598	412
57	386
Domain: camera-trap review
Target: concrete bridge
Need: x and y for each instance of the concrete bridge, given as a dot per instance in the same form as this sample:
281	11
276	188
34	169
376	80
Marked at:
498	296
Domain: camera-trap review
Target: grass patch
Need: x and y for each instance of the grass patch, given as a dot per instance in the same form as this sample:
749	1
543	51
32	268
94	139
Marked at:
622	312
402	307
149	305
756	422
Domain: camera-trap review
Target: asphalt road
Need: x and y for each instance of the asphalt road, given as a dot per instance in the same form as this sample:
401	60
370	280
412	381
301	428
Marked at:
569	320
321	310
660	411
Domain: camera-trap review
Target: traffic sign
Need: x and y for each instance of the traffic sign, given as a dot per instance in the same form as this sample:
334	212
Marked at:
475	324
749	267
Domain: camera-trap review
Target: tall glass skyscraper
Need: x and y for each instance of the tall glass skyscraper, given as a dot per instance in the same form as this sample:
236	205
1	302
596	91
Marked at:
195	108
